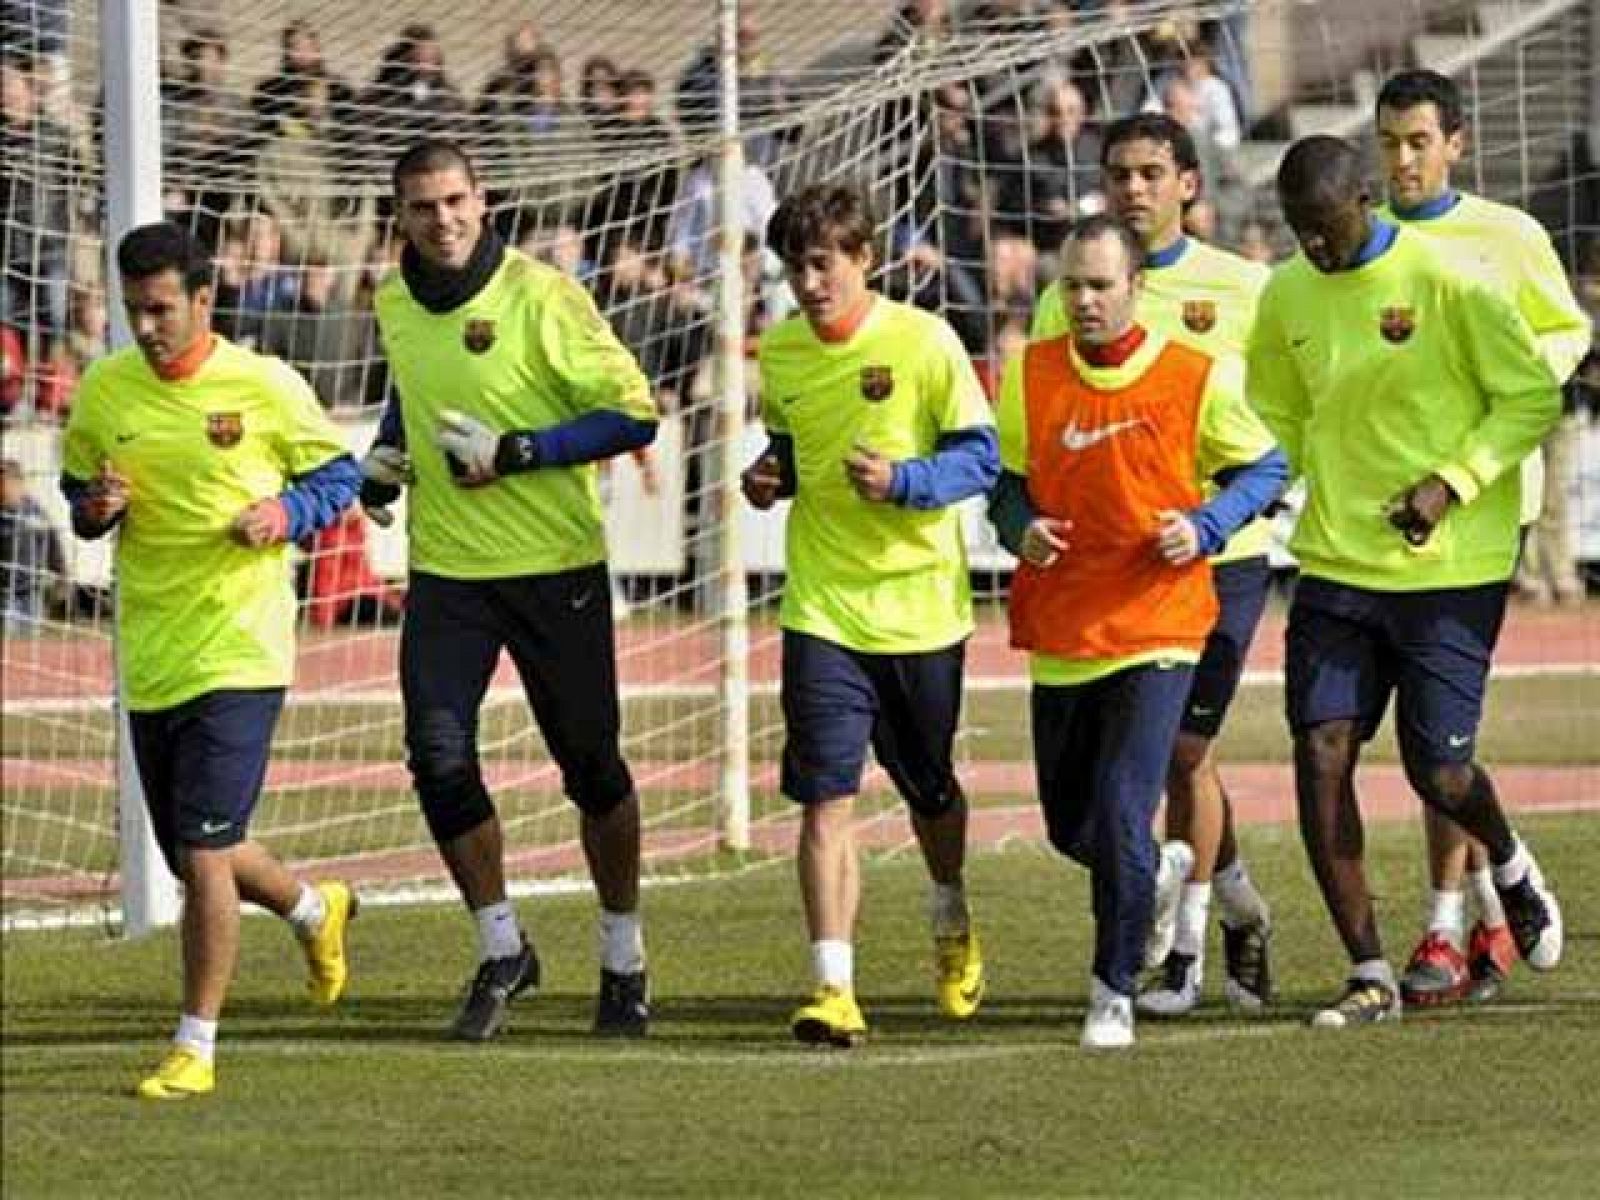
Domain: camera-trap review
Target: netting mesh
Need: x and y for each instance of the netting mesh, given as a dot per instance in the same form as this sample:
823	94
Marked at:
974	129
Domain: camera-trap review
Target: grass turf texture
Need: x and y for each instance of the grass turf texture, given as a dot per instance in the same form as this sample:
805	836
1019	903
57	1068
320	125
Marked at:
370	1100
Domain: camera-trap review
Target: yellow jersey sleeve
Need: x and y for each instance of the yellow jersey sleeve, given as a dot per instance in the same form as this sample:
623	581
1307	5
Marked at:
1012	419
307	439
596	370
1231	433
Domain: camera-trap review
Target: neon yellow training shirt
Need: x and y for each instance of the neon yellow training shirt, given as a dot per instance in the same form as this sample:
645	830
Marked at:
529	351
874	577
197	611
1204	298
1228	434
1375	377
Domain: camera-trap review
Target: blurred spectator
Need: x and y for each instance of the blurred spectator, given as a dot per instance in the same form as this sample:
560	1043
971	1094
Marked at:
1010	339
208	135
1013	278
1256	244
43	196
761	93
1219	167
921	25
283	94
88	325
635	204
33	569
253	284
692	236
299	175
411	97
1058	178
524	119
1219	112
1200	219
597	91
560	247
522	45
666	324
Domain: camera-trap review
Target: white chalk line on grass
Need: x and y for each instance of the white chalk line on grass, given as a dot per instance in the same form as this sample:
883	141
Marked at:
1153	1036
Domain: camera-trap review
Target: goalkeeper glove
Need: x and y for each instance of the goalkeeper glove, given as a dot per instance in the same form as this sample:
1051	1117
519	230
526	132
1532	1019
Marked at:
384	471
477	454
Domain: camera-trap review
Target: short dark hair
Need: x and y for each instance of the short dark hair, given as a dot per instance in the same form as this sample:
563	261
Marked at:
1320	168
1108	225
1405	90
1151	127
151	249
430	156
822	214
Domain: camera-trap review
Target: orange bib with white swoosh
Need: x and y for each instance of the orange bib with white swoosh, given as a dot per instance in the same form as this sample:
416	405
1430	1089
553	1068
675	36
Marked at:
1109	453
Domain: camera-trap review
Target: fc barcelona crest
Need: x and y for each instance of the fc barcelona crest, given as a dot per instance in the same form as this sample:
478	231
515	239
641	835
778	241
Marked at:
1397	323
478	335
224	430
876	383
1200	316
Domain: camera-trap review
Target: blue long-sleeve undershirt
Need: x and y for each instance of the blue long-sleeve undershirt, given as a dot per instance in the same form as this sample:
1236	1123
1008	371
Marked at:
316	499
603	433
1246	493
312	502
965	462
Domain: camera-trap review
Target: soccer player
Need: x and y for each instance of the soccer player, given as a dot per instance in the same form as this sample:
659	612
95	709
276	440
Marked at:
1206	298
1406	394
878	427
1106	435
511	386
209	461
1421	136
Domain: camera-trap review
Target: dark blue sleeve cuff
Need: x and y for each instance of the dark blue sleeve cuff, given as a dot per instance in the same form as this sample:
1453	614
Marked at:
1010	510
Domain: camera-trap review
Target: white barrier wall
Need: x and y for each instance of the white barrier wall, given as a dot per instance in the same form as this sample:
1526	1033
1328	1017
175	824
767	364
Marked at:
646	529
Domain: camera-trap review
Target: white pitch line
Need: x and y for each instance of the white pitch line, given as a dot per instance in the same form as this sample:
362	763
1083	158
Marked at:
1154	1036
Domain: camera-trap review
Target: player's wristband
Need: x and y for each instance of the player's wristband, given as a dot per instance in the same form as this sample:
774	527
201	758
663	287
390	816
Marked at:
517	451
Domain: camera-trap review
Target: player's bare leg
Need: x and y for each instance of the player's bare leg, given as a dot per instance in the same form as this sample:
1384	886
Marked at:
830	887
1437	970
957	957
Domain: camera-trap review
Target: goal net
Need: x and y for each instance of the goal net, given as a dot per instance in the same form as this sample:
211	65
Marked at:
972	126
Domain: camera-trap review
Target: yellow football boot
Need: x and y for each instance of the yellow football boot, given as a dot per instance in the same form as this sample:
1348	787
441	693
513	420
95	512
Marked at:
958	974
833	1018
325	949
182	1074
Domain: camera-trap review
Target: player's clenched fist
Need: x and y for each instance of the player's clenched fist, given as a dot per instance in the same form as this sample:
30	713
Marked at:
1045	540
106	498
871	474
264	523
1177	540
762	482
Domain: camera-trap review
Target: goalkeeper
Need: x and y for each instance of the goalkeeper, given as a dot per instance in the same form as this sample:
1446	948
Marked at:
511	385
209	460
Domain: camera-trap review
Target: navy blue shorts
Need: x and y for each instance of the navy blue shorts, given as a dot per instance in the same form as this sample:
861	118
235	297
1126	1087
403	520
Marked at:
558	632
1348	648
202	764
837	701
1242	588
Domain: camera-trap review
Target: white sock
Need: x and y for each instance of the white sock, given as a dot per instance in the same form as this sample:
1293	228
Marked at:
1237	897
499	935
308	913
621	942
947	909
1481	885
834	963
1448	915
197	1034
1193	905
1514	868
1374	970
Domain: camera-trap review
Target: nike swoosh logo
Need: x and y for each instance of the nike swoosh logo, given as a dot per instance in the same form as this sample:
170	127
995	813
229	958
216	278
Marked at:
581	600
1296	343
124	438
209	828
1074	438
1200	710
1457	740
